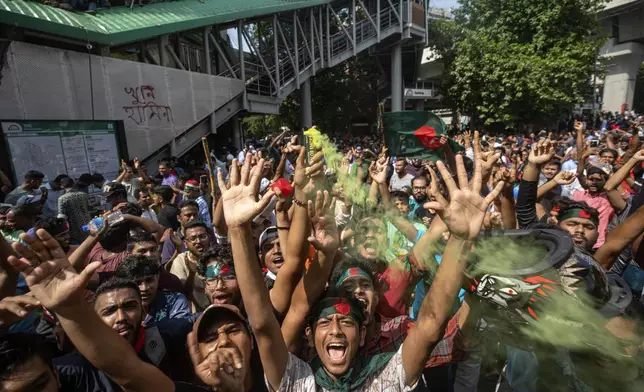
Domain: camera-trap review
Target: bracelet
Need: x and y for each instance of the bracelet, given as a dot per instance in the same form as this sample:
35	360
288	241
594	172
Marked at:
299	203
283	227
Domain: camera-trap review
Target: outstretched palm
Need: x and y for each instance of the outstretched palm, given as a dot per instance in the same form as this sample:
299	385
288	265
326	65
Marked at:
47	271
325	237
240	199
466	210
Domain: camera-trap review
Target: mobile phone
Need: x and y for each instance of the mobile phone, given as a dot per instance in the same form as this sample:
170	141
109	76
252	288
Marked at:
594	143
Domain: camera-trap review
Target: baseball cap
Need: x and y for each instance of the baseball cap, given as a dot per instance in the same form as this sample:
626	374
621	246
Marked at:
28	199
214	313
113	188
268	234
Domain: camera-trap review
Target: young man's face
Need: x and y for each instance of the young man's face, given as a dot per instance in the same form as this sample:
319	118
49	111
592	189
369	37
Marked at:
550	171
33	375
362	289
197	240
400	166
272	254
583	231
122	311
607	157
191	194
63	239
144	200
164	170
129	173
223	290
337	340
34	184
148	249
419	189
228	335
595	182
402	205
370	237
15	222
188	214
148	286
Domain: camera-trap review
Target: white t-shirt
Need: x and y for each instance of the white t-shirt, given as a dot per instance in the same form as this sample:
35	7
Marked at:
299	377
397	183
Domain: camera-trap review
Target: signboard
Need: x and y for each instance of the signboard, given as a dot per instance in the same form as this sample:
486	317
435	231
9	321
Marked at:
64	147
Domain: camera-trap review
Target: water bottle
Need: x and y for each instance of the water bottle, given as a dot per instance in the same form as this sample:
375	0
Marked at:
114	218
94	226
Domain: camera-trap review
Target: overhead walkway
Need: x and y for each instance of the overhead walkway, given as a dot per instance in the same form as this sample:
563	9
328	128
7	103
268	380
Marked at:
206	60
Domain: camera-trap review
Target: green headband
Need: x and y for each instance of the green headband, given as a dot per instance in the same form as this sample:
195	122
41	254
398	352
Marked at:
350	273
221	270
332	305
578	212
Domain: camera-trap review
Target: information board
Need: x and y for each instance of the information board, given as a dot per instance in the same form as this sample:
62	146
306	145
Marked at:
64	147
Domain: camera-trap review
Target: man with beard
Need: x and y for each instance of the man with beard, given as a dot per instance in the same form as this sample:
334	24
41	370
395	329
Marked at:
145	201
217	268
337	323
184	266
192	192
400	178
119	309
188	211
160	304
270	254
419	196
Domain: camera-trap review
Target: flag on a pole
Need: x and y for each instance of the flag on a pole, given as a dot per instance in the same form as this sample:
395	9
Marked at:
415	134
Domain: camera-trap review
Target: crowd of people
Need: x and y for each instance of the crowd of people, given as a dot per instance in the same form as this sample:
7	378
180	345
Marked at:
337	269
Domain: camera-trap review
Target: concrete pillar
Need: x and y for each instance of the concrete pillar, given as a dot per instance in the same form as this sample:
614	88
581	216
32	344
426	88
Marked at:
306	116
238	141
621	62
164	57
396	78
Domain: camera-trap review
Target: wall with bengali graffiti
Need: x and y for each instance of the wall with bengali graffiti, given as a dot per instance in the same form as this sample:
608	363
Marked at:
155	103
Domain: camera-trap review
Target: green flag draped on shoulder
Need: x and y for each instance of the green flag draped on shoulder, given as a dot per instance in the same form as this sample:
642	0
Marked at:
414	134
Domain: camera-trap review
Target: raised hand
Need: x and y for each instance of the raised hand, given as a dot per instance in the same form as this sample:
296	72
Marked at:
304	177
565	178
16	309
47	271
507	175
433	191
325	236
137	164
466	210
639	156
221	368
240	200
542	152
378	170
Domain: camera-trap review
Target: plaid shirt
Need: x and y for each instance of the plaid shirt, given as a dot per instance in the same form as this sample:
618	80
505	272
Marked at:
394	331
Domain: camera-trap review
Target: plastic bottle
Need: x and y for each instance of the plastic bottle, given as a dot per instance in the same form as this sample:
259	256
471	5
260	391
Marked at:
95	225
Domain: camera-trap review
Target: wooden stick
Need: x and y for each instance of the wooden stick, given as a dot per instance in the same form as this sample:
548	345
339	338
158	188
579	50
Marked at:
211	171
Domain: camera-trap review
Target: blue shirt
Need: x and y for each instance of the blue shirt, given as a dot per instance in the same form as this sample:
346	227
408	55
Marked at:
167	305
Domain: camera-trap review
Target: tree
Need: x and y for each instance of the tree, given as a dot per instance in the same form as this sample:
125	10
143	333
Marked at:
521	61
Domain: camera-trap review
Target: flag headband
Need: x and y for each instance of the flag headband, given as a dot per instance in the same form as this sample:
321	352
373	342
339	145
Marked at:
351	273
578	212
338	305
190	186
221	270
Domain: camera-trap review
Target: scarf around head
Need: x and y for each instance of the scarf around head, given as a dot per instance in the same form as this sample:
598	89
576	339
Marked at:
362	368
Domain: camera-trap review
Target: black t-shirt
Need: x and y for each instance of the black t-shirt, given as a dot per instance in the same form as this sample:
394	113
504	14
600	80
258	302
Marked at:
167	216
165	348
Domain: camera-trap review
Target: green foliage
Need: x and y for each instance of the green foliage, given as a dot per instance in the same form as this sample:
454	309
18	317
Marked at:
519	61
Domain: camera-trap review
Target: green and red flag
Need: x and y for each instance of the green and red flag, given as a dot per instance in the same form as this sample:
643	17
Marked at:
415	134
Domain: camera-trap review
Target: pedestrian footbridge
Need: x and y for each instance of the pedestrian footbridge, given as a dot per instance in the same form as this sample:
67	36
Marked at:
175	71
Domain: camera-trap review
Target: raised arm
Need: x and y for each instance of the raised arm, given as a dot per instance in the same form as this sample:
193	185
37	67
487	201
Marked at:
296	250
240	207
326	241
619	238
139	169
541	153
619	176
464	217
59	287
146	224
562	178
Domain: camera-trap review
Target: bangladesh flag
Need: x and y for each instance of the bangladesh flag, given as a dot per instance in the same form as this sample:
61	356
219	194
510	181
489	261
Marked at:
416	135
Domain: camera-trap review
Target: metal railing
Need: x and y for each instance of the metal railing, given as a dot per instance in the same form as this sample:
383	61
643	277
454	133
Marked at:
258	80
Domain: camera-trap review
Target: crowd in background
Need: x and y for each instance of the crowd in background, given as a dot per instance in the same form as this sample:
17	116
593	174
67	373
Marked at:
307	271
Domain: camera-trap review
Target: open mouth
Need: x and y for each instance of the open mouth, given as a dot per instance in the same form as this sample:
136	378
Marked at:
278	261
578	240
363	301
221	298
336	352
